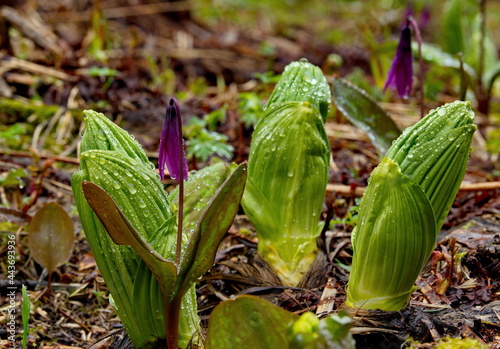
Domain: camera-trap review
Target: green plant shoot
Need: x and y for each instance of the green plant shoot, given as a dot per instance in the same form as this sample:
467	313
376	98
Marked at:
122	203
407	199
288	171
25	315
113	160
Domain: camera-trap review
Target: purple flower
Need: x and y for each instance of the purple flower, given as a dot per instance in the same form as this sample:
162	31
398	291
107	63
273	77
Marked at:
400	76
171	151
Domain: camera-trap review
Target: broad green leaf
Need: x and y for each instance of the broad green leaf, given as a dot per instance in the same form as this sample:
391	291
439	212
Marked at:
302	82
364	112
123	233
248	322
394	237
51	236
213	225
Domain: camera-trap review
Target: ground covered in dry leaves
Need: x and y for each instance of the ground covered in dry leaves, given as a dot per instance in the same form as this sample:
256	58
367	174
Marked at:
458	294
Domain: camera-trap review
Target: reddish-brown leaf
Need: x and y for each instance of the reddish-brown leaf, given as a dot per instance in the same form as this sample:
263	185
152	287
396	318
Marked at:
51	236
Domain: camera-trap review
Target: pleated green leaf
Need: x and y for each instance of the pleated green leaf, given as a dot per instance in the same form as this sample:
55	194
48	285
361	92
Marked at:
103	134
287	177
435	151
302	81
392	241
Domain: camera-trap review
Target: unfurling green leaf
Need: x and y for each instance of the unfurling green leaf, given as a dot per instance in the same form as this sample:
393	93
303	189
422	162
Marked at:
435	151
392	241
364	112
51	236
213	225
102	134
199	190
408	197
248	322
302	82
287	177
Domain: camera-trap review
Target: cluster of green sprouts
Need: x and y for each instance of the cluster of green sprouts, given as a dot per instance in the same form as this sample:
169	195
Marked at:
150	260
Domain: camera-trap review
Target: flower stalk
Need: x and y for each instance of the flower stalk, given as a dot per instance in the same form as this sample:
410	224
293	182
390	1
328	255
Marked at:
414	25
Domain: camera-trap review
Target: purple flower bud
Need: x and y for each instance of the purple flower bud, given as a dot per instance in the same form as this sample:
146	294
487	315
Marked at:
171	151
400	76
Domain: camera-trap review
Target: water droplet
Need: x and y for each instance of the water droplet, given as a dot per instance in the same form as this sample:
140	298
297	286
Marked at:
441	111
290	173
131	188
101	134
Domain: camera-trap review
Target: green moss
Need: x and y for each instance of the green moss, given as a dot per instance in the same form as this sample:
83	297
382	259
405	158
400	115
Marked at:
12	111
460	343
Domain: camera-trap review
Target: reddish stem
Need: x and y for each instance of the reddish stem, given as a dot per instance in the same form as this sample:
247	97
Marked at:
414	25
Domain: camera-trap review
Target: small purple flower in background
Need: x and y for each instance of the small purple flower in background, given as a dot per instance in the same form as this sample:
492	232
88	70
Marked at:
400	76
171	153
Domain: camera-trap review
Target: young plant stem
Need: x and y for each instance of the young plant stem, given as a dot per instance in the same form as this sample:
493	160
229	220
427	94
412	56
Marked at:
414	25
181	195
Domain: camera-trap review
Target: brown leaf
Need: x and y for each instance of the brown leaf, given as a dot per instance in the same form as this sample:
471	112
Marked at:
51	236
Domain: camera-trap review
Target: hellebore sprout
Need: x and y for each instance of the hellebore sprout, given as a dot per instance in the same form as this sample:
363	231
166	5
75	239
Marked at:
405	204
121	201
114	161
288	171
